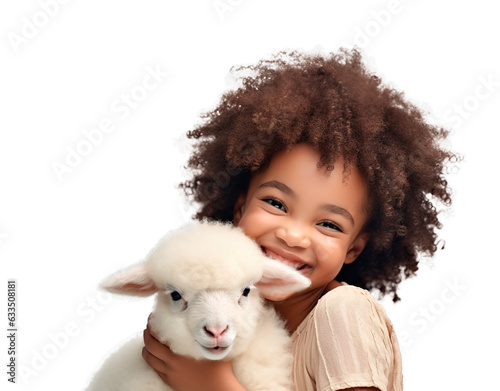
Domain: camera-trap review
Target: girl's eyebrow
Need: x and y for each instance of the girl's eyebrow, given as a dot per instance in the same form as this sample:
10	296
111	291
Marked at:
280	186
335	209
338	210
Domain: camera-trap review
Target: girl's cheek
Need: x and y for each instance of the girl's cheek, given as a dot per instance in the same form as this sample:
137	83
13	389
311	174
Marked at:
250	216
248	223
255	222
329	250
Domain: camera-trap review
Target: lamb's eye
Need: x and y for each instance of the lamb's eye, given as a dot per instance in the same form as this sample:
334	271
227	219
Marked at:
176	296
246	291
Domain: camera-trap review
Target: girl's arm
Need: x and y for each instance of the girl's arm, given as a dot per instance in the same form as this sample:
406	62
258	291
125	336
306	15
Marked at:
185	373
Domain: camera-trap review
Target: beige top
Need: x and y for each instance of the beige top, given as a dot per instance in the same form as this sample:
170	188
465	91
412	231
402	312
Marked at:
346	341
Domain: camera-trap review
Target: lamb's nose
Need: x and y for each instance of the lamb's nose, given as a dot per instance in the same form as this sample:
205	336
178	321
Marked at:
215	332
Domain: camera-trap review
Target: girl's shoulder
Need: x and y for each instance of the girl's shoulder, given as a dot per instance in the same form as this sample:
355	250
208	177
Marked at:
347	341
346	306
344	294
345	299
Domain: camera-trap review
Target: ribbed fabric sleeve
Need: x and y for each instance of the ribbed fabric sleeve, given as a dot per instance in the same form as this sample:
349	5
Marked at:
346	341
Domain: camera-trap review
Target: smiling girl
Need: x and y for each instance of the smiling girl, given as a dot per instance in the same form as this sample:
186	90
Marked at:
337	175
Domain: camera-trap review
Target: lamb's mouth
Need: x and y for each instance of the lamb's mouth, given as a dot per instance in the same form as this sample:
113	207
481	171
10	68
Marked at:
295	264
216	349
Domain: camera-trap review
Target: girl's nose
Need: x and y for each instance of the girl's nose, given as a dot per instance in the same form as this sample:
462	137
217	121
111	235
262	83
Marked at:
294	235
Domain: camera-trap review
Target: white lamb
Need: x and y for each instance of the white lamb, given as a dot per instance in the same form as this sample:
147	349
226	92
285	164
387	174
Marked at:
207	308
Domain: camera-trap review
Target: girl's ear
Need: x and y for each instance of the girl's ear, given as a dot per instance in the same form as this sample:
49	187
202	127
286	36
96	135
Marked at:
134	280
238	208
357	247
279	280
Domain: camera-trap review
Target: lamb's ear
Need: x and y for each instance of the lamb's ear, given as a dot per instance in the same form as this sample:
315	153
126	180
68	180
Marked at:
134	280
279	280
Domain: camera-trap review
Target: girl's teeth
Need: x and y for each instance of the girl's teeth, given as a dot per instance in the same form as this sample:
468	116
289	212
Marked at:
280	258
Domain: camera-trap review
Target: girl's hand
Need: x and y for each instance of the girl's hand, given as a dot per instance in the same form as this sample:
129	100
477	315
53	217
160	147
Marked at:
185	373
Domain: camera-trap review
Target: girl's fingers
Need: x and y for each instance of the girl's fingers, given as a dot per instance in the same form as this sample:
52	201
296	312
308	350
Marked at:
163	377
159	366
155	347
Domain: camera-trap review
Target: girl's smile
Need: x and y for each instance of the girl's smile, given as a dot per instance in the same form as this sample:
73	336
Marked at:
287	257
306	217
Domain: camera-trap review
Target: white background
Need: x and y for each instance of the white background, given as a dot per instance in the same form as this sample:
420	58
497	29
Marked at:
65	67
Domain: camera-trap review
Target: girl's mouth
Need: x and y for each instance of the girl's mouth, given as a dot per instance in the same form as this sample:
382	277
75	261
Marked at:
297	265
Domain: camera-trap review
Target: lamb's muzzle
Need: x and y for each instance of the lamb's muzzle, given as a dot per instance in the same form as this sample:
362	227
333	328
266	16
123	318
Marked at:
215	342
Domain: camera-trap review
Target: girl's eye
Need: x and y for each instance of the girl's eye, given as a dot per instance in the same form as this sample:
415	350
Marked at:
275	203
331	225
246	291
176	296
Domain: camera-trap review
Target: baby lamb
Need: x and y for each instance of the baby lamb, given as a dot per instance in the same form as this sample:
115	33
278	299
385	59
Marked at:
207	307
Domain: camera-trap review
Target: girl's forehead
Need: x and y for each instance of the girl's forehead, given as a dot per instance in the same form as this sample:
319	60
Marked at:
299	159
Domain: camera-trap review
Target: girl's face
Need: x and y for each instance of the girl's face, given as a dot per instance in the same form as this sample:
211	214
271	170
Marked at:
304	216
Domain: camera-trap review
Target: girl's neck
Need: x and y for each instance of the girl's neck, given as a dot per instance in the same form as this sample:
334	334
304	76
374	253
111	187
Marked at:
295	309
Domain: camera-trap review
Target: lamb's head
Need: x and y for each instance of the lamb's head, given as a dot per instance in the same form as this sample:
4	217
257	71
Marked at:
205	275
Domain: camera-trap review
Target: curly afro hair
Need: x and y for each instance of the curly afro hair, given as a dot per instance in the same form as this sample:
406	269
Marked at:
334	104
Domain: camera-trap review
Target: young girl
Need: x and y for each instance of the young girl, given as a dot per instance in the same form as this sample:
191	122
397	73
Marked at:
337	175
